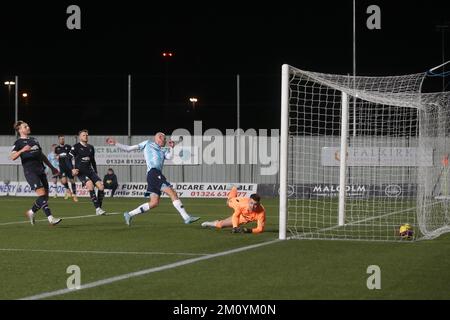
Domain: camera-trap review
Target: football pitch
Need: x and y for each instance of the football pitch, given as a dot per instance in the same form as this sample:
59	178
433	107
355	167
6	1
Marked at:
159	257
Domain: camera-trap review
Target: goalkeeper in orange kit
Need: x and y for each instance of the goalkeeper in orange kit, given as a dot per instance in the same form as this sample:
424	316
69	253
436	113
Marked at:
245	210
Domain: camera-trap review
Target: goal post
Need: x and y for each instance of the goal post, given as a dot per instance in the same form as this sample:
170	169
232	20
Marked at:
362	156
284	136
343	158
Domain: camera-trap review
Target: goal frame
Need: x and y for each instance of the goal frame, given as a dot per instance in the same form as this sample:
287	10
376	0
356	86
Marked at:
284	144
284	190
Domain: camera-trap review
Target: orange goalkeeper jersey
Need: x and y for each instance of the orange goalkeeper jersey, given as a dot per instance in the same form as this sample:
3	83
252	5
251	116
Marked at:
242	214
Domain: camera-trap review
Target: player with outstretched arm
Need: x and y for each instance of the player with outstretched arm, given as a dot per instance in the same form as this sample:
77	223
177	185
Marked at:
30	153
155	153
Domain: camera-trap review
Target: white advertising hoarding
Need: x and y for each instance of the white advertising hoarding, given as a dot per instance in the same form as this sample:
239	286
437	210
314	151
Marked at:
182	155
4	156
138	189
379	157
114	156
213	190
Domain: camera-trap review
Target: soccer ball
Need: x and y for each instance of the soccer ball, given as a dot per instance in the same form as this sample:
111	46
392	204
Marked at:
406	231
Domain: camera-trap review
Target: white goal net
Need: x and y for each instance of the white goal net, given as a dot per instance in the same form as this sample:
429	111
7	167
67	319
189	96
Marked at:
363	158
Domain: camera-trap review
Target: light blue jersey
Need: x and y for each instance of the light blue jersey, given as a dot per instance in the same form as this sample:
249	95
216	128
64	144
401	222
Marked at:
52	158
154	155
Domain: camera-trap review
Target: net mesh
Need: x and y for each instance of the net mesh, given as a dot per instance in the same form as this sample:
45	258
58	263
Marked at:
397	138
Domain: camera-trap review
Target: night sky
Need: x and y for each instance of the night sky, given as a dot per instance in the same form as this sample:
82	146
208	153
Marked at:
78	78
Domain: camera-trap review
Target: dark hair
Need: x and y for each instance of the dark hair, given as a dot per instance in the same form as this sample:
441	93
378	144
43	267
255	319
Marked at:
84	130
18	124
255	197
60	135
110	169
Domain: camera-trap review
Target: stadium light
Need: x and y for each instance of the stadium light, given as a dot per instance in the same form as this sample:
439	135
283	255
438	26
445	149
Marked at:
194	101
9	84
25	98
167	55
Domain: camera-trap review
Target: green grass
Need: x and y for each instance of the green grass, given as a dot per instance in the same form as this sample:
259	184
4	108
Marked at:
295	269
377	219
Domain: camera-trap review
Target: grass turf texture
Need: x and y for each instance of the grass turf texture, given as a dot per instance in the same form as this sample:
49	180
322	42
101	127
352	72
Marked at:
104	247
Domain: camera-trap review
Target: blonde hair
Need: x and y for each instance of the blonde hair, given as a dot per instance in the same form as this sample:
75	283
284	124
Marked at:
159	134
18	124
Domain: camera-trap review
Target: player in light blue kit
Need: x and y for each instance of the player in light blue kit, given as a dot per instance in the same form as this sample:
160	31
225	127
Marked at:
155	153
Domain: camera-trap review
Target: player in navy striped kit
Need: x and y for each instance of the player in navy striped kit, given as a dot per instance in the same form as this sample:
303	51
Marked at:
30	153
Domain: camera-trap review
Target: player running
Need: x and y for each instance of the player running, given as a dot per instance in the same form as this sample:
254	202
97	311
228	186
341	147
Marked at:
62	154
245	210
85	168
30	153
155	153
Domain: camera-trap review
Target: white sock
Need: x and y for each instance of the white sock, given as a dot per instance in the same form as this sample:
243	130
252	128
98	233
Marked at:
179	206
140	209
211	224
50	218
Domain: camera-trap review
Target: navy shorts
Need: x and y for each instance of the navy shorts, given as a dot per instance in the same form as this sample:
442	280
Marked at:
156	182
88	176
36	180
65	172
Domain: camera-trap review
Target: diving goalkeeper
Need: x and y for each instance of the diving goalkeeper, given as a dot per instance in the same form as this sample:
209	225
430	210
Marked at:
245	210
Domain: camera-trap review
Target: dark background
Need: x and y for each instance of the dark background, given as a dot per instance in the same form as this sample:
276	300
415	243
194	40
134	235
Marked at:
78	78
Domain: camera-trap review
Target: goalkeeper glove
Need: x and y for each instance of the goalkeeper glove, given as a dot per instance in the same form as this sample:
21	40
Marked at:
241	230
236	230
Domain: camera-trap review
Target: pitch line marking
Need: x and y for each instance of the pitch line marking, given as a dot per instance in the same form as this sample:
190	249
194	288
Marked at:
104	252
126	202
64	218
147	271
